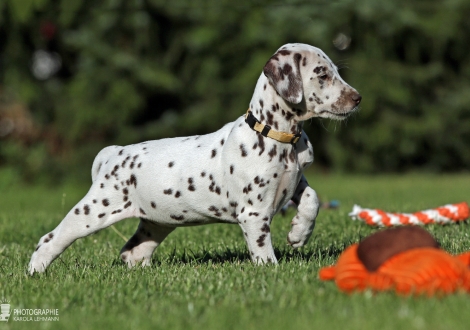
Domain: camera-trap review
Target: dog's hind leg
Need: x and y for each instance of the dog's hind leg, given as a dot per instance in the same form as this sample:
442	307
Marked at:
87	217
141	245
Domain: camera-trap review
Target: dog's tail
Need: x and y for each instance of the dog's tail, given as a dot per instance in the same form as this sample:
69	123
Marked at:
100	160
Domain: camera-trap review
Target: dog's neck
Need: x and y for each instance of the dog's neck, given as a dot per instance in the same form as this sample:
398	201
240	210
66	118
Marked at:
271	109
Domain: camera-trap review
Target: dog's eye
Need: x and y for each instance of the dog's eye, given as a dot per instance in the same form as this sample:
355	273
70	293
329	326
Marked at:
324	77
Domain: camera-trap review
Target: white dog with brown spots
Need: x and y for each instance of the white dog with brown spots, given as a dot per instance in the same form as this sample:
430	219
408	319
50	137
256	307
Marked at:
241	174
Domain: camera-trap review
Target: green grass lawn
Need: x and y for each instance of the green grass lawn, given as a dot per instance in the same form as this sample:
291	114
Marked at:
201	277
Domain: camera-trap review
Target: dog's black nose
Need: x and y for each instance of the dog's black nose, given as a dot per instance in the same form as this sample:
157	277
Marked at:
356	98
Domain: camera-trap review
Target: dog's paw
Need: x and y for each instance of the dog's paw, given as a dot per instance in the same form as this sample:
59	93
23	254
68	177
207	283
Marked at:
295	241
130	259
36	265
271	259
300	233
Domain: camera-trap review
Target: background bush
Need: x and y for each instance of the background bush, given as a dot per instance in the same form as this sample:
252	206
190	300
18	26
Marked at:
139	70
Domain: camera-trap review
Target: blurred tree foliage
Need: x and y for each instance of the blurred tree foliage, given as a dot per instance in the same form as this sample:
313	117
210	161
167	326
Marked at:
146	69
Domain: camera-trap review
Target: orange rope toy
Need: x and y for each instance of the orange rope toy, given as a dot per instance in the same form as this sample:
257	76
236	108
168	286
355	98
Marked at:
450	213
404	259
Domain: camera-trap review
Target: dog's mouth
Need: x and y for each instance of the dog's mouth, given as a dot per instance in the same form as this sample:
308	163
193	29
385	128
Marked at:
337	115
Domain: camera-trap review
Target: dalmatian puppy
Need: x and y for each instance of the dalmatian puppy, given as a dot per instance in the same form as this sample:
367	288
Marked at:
236	175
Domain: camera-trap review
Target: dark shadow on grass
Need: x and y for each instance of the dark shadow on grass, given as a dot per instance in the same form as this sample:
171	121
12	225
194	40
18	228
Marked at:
236	256
330	252
204	257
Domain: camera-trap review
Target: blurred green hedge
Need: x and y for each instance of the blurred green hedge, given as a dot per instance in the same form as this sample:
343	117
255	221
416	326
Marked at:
139	70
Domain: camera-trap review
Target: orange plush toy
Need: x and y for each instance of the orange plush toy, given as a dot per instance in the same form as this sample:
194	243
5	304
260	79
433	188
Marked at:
405	259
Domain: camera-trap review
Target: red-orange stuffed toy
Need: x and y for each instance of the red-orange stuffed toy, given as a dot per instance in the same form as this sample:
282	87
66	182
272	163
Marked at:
405	259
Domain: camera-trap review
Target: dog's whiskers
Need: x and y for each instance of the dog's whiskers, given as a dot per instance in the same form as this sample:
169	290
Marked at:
323	125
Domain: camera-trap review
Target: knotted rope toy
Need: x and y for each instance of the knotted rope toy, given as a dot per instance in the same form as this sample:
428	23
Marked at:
407	260
450	213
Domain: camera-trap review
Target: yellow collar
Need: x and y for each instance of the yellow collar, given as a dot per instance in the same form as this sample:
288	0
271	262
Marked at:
266	130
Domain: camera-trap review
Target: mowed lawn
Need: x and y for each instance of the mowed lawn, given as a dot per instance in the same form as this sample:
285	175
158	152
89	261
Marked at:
202	278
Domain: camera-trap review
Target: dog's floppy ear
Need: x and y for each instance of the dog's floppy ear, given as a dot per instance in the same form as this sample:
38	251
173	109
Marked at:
283	71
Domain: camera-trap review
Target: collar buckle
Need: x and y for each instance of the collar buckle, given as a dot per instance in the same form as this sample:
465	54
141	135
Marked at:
296	138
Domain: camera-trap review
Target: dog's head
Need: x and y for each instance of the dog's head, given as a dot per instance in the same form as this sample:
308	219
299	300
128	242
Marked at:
307	79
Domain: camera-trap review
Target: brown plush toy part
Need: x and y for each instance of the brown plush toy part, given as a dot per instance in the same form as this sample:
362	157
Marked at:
405	259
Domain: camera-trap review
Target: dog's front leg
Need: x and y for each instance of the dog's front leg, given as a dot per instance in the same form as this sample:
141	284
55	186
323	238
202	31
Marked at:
307	210
257	232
